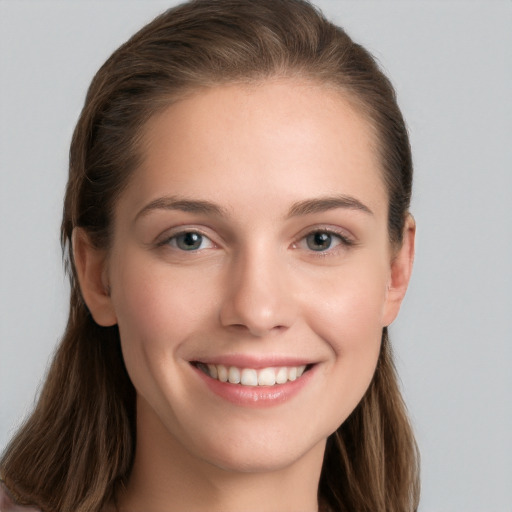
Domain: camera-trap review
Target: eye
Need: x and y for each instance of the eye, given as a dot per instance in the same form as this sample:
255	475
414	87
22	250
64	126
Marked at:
323	241
320	241
189	241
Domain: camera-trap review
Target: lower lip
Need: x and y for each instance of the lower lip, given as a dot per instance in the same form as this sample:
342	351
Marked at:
256	396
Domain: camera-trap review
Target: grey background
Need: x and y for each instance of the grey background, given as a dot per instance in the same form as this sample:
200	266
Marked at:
451	64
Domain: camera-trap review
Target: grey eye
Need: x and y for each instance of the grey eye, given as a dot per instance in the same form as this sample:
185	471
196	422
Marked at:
189	241
319	241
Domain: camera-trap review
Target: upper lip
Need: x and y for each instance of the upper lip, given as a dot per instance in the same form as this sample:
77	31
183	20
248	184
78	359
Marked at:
254	361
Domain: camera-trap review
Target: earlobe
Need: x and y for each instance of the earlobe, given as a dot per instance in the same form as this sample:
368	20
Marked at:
401	269
91	269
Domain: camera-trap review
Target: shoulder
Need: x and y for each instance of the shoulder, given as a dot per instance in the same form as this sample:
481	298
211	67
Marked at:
7	503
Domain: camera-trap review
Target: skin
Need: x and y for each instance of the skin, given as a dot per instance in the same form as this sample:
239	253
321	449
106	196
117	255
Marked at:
254	287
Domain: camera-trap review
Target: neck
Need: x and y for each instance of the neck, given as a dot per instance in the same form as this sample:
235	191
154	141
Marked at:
166	477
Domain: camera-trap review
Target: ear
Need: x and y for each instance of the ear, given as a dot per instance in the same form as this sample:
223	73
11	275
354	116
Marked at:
91	268
401	268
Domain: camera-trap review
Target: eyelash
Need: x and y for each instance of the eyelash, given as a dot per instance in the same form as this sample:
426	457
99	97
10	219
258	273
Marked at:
344	241
168	240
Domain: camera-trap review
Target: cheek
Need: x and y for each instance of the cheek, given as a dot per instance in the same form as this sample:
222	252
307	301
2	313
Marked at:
157	311
347	316
347	311
150	297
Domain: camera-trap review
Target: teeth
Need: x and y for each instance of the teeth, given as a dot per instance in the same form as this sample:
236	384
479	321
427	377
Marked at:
222	372
251	377
282	375
212	369
234	375
267	377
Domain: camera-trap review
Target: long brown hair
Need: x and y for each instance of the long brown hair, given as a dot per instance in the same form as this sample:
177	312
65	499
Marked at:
77	447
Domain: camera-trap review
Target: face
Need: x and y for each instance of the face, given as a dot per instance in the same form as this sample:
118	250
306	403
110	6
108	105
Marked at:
251	245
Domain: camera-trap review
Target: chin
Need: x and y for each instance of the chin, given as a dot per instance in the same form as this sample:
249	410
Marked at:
268	461
260	452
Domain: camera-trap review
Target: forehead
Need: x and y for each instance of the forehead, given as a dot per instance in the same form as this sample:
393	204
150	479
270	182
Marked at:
282	138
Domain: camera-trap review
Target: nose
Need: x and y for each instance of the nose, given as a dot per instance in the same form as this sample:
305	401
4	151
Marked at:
258	298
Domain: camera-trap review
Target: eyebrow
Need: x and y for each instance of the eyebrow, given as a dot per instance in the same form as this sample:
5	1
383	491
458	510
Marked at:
323	204
184	205
306	207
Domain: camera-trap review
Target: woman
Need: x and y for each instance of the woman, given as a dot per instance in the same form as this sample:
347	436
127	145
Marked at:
238	237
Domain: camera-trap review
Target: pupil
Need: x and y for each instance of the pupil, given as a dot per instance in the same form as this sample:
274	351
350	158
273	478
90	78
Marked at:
189	241
319	241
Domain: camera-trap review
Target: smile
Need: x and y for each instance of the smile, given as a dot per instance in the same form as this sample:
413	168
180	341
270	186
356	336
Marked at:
270	376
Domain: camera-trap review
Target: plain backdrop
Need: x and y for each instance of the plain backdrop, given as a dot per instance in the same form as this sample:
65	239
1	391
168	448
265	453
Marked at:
451	64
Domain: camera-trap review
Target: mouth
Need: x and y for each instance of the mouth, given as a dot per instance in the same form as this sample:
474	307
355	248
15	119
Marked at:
270	376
